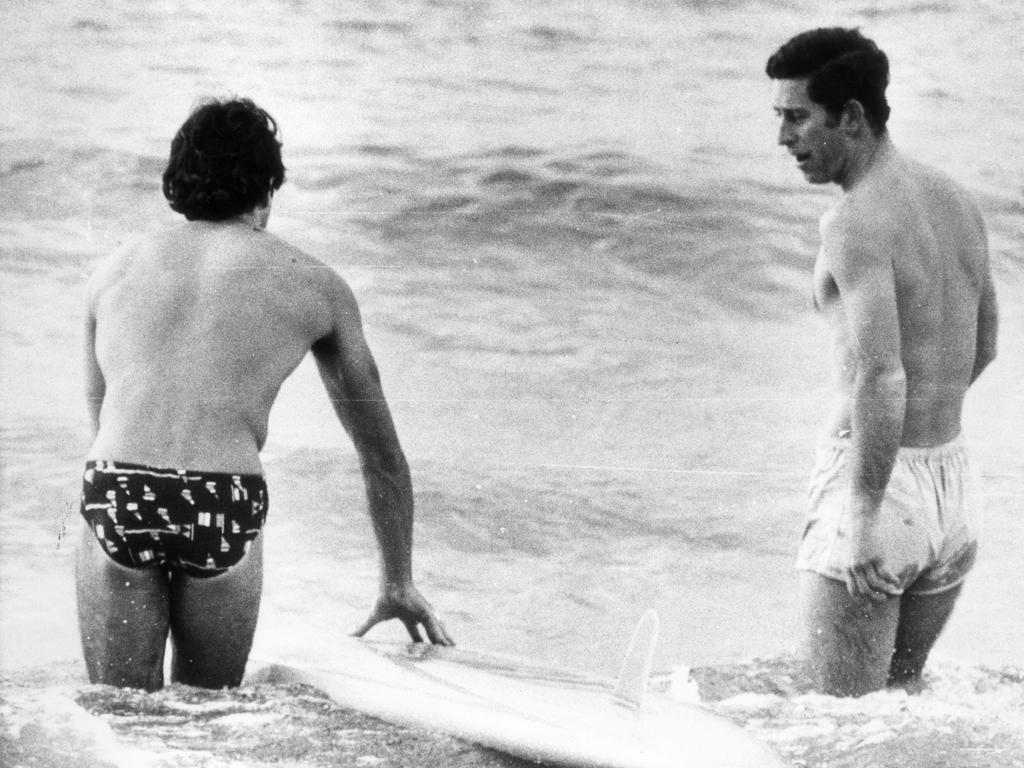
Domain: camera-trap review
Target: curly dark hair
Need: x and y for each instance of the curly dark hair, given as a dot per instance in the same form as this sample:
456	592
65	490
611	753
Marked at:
840	65
225	160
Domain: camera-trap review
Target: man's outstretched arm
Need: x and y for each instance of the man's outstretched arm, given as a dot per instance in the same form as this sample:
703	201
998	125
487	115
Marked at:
350	376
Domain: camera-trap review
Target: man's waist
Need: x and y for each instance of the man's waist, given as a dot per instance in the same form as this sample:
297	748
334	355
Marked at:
843	440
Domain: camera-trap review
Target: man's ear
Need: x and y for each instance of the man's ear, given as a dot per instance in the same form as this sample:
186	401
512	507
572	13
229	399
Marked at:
852	119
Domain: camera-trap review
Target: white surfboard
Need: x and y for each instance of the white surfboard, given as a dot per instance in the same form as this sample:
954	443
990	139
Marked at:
542	714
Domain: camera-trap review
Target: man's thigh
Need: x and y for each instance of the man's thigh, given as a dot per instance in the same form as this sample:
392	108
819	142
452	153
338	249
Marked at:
122	617
847	643
213	622
922	619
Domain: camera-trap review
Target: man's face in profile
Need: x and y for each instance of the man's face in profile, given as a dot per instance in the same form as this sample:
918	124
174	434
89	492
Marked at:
808	132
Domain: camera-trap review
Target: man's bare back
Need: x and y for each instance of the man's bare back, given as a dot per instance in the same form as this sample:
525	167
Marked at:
933	237
196	330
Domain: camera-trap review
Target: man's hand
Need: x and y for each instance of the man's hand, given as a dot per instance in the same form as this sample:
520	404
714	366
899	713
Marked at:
866	575
404	602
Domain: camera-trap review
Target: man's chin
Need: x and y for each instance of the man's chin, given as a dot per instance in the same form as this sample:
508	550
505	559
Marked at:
816	178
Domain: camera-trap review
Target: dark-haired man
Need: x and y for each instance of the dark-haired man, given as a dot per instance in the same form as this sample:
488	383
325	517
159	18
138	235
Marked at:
190	333
904	283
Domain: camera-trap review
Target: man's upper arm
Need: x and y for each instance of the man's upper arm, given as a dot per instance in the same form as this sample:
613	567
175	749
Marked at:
862	268
350	374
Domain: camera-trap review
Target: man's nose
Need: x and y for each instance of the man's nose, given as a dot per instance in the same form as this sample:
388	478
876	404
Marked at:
786	135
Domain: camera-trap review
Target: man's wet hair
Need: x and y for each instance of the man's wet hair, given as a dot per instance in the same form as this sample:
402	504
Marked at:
225	160
840	65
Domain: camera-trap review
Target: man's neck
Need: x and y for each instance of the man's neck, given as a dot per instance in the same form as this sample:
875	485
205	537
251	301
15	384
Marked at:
863	157
256	219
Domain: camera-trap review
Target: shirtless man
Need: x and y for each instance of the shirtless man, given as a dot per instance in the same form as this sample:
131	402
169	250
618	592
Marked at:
903	281
189	335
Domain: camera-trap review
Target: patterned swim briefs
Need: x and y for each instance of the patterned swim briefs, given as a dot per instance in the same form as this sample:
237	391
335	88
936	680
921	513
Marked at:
201	523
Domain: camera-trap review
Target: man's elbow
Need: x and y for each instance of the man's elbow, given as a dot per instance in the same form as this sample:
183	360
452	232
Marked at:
982	359
387	462
886	375
989	355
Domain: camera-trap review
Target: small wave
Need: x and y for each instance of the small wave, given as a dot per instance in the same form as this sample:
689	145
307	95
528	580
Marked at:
877	12
382	150
91	25
373	26
942	94
554	36
326	182
514	86
188	70
599	164
510	176
507	152
444	203
91	92
22	166
630	199
555	191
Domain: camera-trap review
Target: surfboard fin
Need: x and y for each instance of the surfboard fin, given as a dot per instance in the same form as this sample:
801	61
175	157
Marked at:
636	666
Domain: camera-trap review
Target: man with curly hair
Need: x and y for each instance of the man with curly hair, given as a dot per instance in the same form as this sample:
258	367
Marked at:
190	333
904	283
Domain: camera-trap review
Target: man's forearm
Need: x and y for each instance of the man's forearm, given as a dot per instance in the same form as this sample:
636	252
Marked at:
877	412
389	493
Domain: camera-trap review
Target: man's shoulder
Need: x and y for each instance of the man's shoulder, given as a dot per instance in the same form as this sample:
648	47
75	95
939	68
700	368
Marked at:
911	196
953	198
130	249
878	210
857	240
934	175
310	275
112	265
302	265
922	186
849	222
278	247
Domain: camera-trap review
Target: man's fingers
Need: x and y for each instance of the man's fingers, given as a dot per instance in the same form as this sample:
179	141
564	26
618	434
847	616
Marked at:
853	582
367	625
362	630
413	630
412	613
436	632
880	580
885	586
873	581
857	585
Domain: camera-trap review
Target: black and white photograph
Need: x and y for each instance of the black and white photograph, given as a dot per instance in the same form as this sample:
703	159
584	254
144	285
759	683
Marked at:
494	384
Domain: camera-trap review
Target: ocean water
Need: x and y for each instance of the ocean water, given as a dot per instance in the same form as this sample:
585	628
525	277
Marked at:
584	268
